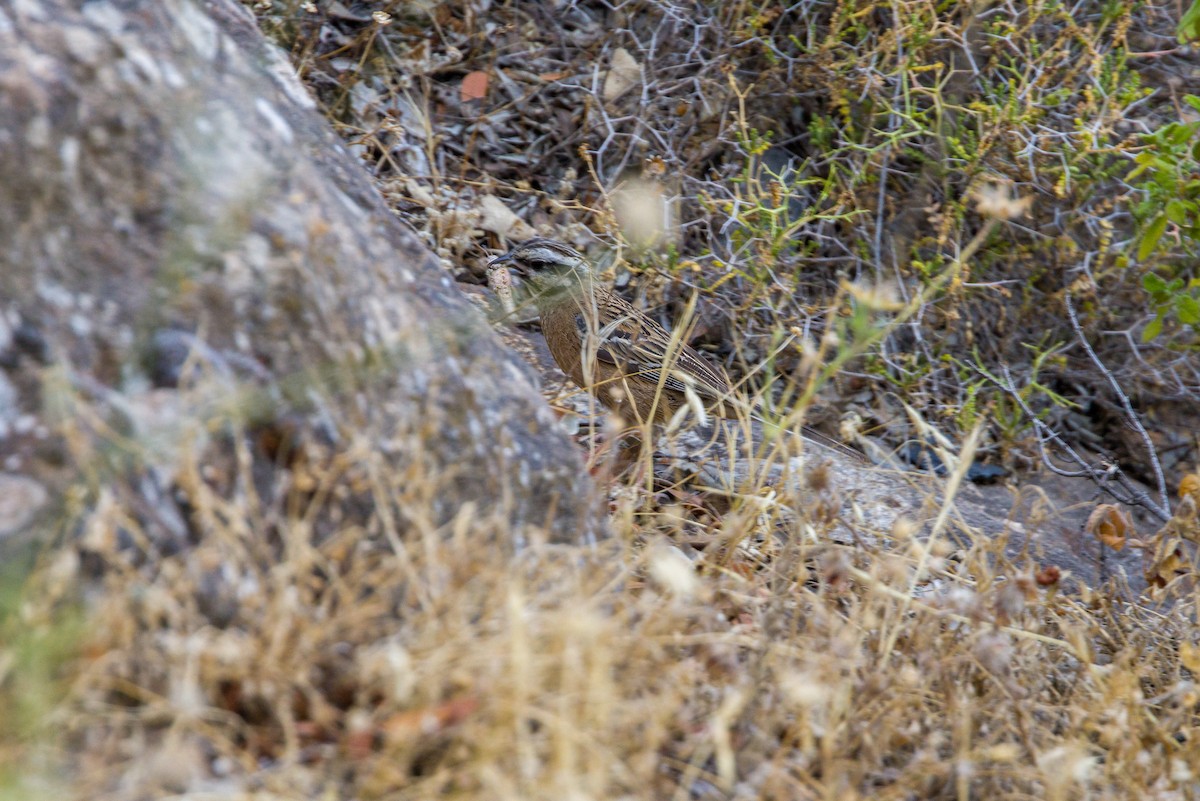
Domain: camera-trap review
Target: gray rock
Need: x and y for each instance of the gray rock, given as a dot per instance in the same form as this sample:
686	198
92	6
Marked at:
154	176
21	498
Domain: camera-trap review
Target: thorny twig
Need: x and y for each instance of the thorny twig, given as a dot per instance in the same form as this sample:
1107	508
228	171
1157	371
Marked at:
1130	416
1104	476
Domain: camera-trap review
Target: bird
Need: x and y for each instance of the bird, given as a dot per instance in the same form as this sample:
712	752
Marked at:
610	348
605	345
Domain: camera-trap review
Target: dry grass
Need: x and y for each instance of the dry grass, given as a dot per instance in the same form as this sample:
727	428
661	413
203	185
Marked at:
679	659
712	647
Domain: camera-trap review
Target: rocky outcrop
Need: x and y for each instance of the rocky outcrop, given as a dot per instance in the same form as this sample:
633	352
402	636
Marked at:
201	292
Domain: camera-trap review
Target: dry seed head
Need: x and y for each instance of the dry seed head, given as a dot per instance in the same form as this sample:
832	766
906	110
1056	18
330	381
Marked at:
670	568
803	689
389	666
808	351
883	296
996	200
644	213
904	528
1010	600
1064	766
818	477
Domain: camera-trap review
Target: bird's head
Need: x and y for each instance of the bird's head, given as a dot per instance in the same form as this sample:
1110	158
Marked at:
545	263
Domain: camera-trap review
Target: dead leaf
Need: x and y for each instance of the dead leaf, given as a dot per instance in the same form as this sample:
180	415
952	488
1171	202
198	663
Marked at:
474	86
1190	486
430	720
1048	576
498	219
1167	564
1110	525
418	194
624	73
1189	655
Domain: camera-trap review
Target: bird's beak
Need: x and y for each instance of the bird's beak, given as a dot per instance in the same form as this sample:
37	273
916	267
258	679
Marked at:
506	259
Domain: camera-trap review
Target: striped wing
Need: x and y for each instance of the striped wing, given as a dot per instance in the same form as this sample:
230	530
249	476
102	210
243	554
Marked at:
627	339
